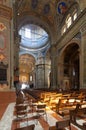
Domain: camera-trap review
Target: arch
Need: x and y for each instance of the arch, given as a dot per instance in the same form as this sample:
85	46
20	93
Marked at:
29	19
69	66
75	40
26	65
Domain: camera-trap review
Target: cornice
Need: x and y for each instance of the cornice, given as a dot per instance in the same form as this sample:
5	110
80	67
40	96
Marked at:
83	28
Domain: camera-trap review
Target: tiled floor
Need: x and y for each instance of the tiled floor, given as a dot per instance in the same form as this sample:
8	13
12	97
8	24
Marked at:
7	103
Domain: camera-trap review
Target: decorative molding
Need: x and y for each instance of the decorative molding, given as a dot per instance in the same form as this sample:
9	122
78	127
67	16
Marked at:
2	41
2	56
2	26
5	12
73	30
2	65
83	28
62	7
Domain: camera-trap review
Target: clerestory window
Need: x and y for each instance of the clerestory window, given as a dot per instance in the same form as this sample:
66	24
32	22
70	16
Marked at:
74	15
69	20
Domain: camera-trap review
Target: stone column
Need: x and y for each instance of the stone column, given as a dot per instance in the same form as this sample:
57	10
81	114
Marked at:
83	58
42	72
16	59
11	56
53	68
47	73
16	52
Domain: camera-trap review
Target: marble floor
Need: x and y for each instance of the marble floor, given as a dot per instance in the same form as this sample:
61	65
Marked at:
8	117
52	118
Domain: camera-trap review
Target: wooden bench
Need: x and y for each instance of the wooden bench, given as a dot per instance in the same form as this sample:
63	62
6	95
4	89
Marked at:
64	105
84	126
52	128
60	125
78	112
30	127
69	103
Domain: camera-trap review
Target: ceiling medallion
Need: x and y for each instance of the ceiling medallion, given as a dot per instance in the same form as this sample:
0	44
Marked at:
34	3
62	8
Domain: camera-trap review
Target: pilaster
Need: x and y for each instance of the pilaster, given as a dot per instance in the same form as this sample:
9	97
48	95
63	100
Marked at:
83	58
53	68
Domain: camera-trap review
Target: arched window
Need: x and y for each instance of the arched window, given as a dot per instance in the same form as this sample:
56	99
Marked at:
31	78
74	15
68	21
63	29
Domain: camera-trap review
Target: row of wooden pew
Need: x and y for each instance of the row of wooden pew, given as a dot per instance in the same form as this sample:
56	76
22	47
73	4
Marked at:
66	104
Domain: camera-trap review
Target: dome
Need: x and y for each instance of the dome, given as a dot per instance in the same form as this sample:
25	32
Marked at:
33	36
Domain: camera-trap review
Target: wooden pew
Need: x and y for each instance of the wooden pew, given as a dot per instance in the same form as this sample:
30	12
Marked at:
64	105
60	125
78	112
67	103
84	126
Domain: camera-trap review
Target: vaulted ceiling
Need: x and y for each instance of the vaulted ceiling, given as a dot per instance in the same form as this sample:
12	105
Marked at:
46	14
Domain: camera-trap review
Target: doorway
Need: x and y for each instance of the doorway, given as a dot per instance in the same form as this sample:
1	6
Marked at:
71	66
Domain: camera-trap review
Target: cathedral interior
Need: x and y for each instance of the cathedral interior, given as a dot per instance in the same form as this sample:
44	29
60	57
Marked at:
42	52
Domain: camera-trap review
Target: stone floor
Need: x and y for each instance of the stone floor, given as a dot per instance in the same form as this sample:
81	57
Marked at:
52	118
7	116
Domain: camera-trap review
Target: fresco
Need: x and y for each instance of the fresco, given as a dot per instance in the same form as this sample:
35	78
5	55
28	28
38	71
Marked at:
62	8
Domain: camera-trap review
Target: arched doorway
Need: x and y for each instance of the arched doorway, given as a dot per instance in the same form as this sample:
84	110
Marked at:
35	41
71	67
26	69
